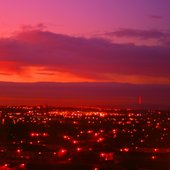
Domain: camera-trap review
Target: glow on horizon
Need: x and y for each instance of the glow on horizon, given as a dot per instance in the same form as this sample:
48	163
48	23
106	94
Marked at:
33	75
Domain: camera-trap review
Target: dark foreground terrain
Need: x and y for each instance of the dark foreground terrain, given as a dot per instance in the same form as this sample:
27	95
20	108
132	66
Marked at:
50	138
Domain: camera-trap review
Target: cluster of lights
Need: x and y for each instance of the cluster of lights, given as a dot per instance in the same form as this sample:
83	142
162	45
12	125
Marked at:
34	134
137	128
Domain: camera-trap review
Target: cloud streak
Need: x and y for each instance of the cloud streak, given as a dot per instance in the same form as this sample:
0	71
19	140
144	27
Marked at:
142	34
156	16
141	37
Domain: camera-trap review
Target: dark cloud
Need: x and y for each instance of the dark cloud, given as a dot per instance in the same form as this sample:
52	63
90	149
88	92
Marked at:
39	27
156	16
83	93
142	34
93	58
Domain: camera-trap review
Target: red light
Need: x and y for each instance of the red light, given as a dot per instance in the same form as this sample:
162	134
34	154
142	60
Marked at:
69	159
114	130
141	140
63	151
6	165
89	131
2	150
75	141
79	149
153	157
90	149
102	155
32	134
18	150
45	134
22	165
96	134
126	149
155	150
75	122
96	168
66	137
100	140
107	156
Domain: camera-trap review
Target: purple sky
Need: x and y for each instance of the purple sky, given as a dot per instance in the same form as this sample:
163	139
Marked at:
88	17
116	41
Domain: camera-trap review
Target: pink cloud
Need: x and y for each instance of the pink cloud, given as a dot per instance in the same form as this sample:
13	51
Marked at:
93	58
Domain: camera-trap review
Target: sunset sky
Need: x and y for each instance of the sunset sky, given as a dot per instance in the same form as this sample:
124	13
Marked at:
84	52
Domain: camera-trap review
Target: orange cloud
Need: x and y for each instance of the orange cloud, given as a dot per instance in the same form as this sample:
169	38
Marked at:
38	74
